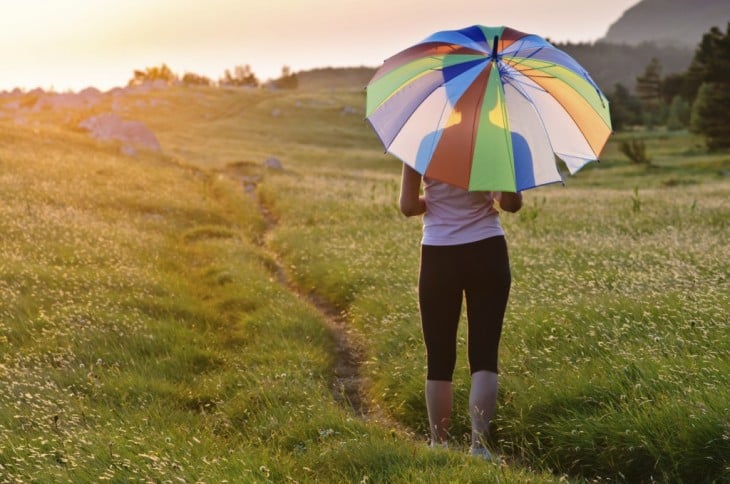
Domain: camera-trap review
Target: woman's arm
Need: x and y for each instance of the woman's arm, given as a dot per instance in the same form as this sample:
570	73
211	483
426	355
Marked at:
510	201
411	201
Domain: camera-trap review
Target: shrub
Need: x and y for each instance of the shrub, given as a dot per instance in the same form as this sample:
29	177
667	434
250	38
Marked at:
192	79
288	79
241	76
635	151
163	72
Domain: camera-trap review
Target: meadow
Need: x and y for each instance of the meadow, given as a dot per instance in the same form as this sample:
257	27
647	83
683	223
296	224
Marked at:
168	317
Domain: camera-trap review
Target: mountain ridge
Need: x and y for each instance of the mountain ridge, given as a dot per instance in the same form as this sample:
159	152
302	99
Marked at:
668	23
668	30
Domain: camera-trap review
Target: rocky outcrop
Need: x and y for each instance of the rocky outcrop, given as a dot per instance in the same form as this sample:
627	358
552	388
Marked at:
132	134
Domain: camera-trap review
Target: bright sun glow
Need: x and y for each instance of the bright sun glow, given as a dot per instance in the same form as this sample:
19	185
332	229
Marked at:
73	44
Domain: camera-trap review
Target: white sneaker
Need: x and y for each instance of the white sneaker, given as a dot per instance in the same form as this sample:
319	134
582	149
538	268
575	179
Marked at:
483	453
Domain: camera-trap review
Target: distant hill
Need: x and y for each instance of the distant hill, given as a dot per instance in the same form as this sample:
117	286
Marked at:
677	23
668	30
335	78
610	64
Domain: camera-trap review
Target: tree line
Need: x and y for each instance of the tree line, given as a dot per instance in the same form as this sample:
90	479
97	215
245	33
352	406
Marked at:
610	63
240	76
697	98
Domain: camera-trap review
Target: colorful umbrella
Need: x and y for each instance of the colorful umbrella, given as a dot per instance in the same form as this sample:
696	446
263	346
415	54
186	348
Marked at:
488	108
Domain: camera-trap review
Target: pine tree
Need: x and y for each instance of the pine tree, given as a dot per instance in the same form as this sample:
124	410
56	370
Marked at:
648	85
710	114
679	113
711	66
648	90
712	58
625	108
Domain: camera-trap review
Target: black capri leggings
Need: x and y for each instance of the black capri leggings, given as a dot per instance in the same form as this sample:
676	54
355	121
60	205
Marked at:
481	271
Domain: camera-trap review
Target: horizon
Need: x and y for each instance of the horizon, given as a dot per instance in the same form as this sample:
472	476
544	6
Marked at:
86	43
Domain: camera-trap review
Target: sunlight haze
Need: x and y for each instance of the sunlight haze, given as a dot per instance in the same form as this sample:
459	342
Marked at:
74	44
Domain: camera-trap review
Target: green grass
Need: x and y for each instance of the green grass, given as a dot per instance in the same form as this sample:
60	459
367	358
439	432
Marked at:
144	334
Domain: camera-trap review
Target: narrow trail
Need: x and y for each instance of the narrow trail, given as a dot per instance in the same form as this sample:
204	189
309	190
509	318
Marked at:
349	387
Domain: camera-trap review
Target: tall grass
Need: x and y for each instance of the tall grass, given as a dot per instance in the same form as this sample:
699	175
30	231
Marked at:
614	358
143	332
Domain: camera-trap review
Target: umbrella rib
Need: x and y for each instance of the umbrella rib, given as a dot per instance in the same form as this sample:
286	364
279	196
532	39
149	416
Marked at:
507	132
520	88
580	128
582	131
584	72
549	76
518	49
521	60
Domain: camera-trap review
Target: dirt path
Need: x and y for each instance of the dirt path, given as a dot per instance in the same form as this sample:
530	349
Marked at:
349	387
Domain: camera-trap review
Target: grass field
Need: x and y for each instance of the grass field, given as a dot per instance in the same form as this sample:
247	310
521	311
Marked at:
146	333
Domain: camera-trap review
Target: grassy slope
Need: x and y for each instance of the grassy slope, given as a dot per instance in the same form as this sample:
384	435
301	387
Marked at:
143	335
615	354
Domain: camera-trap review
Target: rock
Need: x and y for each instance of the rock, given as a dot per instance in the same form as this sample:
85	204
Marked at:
110	127
249	183
86	98
273	164
59	101
128	150
90	93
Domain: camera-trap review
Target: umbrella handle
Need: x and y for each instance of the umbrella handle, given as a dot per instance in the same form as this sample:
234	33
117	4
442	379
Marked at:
494	48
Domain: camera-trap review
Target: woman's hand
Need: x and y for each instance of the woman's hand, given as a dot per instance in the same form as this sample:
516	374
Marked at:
510	201
411	201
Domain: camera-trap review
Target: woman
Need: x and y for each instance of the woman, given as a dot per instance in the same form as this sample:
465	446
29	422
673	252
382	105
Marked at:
463	252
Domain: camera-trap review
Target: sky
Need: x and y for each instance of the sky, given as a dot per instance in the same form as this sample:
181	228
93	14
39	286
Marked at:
65	45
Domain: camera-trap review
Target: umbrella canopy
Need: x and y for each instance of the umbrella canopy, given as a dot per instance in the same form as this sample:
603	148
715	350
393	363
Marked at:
488	109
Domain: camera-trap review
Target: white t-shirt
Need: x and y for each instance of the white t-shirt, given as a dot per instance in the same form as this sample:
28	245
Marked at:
455	216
